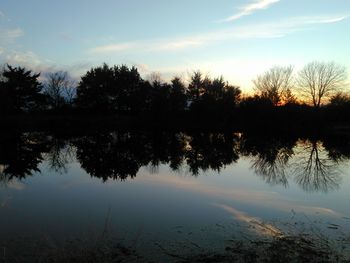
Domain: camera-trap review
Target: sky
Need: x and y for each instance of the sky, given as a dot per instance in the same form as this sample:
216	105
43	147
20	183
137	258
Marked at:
237	39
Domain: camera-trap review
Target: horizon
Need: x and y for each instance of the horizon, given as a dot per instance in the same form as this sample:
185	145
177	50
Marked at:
236	39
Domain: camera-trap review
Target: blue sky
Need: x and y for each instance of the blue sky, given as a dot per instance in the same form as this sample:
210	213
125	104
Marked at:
234	38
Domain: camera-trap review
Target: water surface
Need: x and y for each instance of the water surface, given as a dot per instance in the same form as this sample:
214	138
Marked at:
174	191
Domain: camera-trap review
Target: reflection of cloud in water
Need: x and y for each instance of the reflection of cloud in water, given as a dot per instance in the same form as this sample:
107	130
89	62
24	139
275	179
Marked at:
270	200
5	201
16	185
323	210
256	224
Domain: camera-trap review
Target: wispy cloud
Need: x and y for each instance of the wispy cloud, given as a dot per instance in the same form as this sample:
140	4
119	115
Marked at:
115	47
9	35
265	30
2	50
251	8
26	59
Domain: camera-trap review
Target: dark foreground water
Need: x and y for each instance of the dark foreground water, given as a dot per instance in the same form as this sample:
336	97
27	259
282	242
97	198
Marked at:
169	196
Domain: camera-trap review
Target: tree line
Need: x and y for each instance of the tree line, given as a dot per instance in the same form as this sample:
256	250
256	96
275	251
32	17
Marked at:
121	90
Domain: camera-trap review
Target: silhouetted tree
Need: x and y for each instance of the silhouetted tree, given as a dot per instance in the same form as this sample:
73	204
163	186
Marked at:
97	89
289	98
131	86
212	97
160	98
255	104
275	84
21	90
59	87
231	98
110	89
340	99
197	86
177	98
318	81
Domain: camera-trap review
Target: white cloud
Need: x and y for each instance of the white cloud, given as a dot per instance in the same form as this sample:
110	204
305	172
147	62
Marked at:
114	48
261	30
251	8
9	35
2	50
30	60
325	19
26	59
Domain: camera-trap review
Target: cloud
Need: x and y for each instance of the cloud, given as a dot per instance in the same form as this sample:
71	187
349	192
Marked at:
318	19
2	50
26	59
114	48
34	62
251	8
261	30
9	35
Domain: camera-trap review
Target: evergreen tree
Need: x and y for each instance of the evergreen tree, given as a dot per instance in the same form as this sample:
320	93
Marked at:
21	90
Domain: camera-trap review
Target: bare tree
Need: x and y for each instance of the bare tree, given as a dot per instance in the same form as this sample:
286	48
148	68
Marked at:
319	81
275	83
155	77
59	86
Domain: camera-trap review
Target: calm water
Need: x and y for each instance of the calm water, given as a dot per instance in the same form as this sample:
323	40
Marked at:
180	191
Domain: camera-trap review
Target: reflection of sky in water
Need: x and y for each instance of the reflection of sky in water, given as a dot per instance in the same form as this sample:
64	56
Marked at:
163	204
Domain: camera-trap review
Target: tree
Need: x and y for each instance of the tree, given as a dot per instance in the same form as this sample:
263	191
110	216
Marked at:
94	92
59	88
275	84
160	93
110	89
177	99
21	90
340	99
197	86
319	81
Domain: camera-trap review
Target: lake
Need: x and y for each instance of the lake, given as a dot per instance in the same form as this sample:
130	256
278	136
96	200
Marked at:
170	195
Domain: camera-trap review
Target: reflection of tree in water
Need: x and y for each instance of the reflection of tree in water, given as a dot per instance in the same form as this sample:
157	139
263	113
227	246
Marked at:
120	155
211	151
314	169
20	154
60	155
114	155
270	157
338	148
